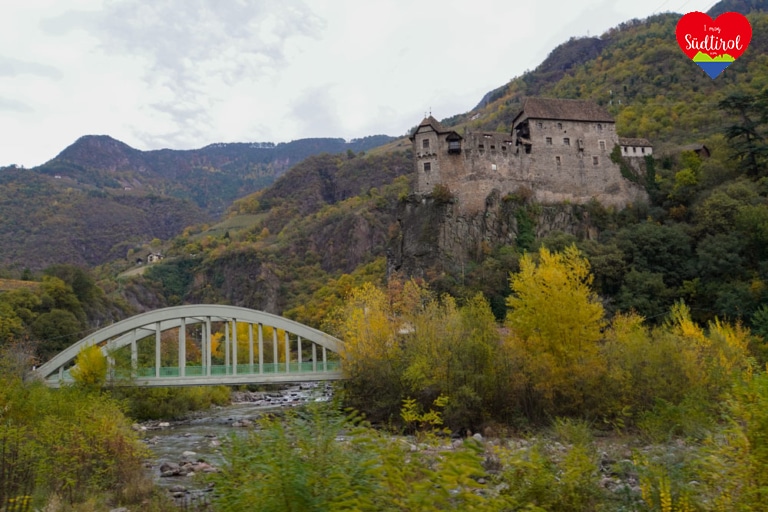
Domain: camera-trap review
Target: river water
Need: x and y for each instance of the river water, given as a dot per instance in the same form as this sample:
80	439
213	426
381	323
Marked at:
200	437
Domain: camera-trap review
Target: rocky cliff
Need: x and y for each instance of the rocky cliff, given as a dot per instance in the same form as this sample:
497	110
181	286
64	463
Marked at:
434	235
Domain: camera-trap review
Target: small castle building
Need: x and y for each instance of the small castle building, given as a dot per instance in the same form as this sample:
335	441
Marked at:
631	148
154	257
557	149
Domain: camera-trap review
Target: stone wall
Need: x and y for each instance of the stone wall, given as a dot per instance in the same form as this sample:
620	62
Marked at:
569	161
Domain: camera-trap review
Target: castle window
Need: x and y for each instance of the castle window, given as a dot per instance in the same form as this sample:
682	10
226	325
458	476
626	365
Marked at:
539	125
566	141
634	150
503	148
493	148
559	126
642	150
557	161
454	146
427	166
481	147
595	160
602	145
599	127
425	143
625	149
493	167
549	141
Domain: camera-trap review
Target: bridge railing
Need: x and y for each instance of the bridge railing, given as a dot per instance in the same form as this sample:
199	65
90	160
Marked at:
243	370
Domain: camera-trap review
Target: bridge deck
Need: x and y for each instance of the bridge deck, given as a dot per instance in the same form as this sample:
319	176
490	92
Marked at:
219	375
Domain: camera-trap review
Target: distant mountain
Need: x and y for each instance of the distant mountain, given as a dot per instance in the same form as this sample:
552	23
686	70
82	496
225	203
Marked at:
212	177
740	6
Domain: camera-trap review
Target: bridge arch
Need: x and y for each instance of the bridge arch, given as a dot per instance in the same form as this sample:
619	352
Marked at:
303	353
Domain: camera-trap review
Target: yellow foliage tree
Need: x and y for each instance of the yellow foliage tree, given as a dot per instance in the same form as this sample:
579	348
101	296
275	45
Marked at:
555	323
90	368
372	352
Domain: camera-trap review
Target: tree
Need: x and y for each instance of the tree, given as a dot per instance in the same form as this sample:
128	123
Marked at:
555	323
90	369
553	303
747	134
372	352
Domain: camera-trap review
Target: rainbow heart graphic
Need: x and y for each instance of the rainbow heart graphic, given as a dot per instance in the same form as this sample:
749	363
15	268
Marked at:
713	44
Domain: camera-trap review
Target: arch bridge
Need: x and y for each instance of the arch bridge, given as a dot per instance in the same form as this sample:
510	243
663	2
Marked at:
205	344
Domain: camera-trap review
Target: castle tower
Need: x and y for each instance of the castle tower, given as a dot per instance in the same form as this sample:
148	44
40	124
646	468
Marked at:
436	153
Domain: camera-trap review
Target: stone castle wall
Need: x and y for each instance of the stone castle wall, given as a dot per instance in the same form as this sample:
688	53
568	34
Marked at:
562	161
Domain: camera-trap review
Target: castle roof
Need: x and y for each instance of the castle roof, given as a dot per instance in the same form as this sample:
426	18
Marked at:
431	122
627	141
563	110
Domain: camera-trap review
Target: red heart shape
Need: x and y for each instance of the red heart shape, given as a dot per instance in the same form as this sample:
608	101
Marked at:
729	34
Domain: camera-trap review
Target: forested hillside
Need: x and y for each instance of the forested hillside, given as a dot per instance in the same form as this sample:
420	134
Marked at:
639	73
100	198
327	216
46	221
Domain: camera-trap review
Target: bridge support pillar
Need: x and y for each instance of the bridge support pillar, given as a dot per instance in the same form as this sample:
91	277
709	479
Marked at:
157	349
183	348
275	358
287	353
250	347
134	355
226	347
208	346
234	346
298	350
261	348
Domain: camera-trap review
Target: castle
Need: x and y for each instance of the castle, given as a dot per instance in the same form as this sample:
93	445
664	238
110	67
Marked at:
558	151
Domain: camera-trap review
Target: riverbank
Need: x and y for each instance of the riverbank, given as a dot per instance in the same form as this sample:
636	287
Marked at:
186	450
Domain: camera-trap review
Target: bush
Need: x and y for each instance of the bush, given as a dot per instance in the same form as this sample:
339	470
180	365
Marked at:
71	443
442	194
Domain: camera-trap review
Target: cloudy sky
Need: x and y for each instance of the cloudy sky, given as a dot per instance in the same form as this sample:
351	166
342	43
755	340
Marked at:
186	73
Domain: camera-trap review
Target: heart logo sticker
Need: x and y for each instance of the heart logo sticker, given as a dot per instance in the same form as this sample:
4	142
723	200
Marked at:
713	44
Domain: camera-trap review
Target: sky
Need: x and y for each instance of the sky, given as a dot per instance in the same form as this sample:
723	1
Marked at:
183	74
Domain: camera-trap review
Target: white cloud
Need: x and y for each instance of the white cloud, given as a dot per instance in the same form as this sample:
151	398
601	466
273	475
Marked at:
185	73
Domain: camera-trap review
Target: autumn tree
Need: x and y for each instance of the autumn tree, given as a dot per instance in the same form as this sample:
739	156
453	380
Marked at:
372	352
90	369
555	323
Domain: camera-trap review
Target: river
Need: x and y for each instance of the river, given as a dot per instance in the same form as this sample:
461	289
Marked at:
182	449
